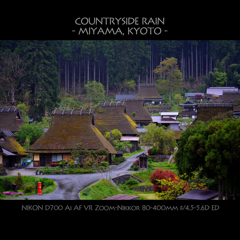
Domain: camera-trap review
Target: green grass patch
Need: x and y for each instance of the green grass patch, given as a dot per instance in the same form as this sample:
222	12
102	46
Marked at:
133	153
48	185
99	190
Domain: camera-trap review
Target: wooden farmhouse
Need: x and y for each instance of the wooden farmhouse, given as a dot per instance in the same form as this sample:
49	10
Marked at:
113	116
189	109
10	118
149	94
142	116
11	151
67	130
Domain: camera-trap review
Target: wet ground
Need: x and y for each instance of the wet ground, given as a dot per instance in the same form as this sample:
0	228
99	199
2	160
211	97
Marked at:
69	186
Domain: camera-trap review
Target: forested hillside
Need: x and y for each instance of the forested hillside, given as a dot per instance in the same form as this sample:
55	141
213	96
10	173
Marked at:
43	68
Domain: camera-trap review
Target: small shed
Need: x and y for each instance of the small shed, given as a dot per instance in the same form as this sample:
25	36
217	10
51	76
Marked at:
143	161
198	194
119	154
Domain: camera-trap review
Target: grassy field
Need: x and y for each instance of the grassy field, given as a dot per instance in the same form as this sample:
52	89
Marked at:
27	180
104	188
133	153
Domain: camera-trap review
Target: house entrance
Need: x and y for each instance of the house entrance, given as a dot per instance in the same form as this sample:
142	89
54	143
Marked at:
45	159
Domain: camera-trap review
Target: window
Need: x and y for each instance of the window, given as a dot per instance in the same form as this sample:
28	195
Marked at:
56	157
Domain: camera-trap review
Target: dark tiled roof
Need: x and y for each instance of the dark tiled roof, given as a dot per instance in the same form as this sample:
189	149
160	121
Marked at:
112	116
126	96
9	120
137	106
148	92
70	128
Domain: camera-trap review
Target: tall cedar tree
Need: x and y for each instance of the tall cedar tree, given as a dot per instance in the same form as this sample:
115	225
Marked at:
42	77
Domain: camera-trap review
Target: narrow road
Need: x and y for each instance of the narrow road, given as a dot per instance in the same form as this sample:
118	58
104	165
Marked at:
69	186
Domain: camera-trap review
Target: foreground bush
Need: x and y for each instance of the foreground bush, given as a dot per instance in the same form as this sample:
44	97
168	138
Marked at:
160	174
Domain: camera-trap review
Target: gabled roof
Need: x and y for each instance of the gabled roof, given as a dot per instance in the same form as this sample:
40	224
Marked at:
187	104
68	129
137	106
10	118
148	92
219	90
192	94
113	116
10	143
124	96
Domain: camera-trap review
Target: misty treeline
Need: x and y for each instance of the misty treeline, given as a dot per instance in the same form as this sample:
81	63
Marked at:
46	66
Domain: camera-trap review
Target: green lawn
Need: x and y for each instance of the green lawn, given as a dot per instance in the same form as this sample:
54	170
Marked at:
104	189
133	153
27	180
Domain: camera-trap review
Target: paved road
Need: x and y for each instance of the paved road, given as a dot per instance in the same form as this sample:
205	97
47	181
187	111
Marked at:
69	186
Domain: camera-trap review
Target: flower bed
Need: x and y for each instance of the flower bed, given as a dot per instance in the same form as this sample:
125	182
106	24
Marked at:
12	193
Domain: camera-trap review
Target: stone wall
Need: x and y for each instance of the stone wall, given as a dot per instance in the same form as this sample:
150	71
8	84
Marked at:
123	178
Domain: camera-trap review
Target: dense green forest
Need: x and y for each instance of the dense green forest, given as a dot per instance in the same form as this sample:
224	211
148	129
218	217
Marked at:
34	71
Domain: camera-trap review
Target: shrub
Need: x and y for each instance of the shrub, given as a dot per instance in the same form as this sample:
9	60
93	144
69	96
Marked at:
19	181
136	163
6	184
2	169
71	163
154	160
45	182
29	188
86	191
160	174
105	164
131	182
135	168
152	151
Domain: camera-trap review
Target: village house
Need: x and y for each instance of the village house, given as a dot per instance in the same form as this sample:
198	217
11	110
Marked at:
206	111
167	119
67	130
189	109
141	117
192	95
11	151
234	98
113	116
149	93
10	118
218	91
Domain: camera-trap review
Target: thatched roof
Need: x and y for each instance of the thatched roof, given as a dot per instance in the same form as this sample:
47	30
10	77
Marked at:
137	106
10	118
234	97
113	116
148	92
206	111
68	129
8	142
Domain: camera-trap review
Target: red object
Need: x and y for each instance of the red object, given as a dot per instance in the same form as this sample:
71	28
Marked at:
39	188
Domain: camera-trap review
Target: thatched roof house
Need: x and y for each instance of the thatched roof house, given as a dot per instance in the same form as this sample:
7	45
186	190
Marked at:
12	151
113	116
234	98
68	129
143	117
10	118
149	94
206	111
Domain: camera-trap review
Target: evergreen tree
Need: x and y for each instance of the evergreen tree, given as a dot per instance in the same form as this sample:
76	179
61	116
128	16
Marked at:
42	77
